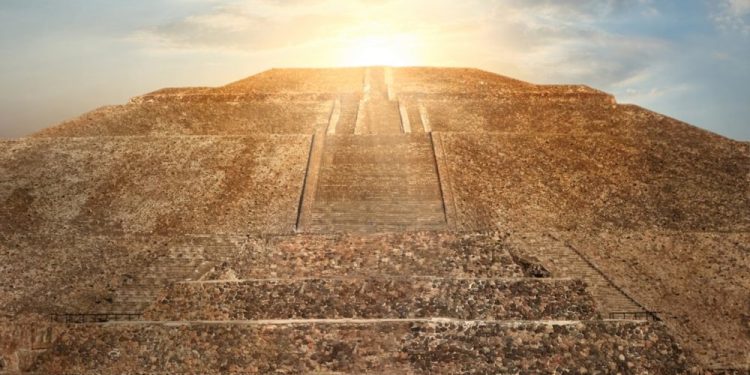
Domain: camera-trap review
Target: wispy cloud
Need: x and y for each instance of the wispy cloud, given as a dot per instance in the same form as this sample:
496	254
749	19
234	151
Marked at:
733	16
241	28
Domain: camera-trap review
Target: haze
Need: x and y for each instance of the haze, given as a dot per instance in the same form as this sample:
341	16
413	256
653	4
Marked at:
686	59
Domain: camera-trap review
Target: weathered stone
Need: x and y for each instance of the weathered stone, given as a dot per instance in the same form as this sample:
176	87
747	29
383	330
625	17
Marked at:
373	298
420	346
199	195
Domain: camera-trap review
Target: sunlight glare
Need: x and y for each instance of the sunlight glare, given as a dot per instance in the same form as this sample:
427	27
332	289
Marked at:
392	50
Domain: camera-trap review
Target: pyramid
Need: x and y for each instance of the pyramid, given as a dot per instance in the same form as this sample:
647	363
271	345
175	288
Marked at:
374	220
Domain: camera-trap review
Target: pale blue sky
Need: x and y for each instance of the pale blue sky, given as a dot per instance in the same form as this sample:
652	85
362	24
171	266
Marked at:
689	59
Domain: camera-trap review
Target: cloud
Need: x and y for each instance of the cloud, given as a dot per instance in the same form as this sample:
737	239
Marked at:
739	7
554	41
240	28
544	41
732	16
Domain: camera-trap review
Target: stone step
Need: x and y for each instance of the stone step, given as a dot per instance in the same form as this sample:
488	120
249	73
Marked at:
375	298
388	217
369	141
358	205
398	194
399	143
373	170
388	180
373	140
374	225
394	218
136	297
416	346
371	228
384	154
378	219
393	158
426	200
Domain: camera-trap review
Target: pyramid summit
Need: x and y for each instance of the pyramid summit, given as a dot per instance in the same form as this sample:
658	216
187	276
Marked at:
374	220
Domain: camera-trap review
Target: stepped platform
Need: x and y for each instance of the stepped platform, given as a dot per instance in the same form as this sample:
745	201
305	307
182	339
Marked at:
373	220
375	298
345	303
419	346
136	268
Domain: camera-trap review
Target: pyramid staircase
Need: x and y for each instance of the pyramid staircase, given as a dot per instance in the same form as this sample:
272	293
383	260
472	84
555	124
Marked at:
376	183
369	172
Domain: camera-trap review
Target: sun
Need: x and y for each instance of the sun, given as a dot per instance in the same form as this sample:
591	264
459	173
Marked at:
389	50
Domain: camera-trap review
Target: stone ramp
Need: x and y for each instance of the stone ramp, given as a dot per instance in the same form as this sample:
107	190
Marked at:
412	346
375	298
377	183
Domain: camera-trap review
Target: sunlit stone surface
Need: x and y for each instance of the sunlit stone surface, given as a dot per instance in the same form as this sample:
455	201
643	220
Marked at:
374	220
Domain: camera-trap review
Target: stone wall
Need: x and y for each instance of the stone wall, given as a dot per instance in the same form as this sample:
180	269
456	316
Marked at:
281	81
381	347
152	185
372	298
191	115
544	181
437	254
696	280
71	273
410	82
521	115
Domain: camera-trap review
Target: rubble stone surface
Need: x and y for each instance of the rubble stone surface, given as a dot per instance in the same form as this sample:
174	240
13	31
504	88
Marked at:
379	220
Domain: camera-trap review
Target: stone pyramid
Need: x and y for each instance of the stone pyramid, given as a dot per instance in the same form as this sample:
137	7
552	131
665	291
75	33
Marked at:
374	220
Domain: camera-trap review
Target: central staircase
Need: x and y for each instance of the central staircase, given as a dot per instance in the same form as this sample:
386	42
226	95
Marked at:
376	183
380	177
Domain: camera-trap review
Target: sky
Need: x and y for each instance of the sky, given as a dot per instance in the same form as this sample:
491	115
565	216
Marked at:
689	59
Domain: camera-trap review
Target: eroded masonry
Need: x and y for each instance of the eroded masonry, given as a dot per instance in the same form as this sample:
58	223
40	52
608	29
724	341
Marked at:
374	220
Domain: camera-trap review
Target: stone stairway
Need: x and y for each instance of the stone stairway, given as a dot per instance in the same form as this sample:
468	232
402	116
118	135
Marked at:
378	111
349	107
563	261
472	311
135	297
375	183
